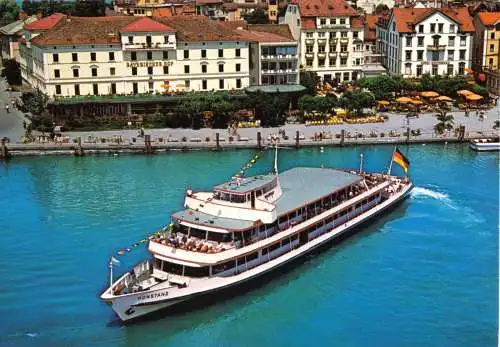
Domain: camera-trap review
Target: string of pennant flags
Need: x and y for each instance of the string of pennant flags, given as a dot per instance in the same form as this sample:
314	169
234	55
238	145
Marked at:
139	243
248	165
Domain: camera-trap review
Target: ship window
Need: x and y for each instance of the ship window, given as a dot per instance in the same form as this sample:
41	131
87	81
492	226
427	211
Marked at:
336	216
328	220
201	234
196	271
224	266
219	237
158	263
258	193
358	205
365	201
343	213
274	247
282	219
172	268
285	242
241	260
295	237
264	251
252	256
237	198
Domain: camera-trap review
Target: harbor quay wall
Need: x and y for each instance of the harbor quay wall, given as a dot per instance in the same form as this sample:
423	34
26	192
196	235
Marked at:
51	148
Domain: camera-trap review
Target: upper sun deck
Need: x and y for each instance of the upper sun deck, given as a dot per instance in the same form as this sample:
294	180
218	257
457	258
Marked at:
245	184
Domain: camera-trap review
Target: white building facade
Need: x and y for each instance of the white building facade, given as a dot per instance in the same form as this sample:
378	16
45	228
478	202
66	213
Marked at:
134	56
330	36
417	41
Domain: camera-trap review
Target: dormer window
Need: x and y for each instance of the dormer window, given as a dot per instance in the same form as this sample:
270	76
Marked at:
130	39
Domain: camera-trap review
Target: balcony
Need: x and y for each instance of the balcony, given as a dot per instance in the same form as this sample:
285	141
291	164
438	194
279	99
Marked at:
344	54
436	47
309	41
332	54
344	40
149	46
309	55
437	62
333	40
333	26
322	41
321	55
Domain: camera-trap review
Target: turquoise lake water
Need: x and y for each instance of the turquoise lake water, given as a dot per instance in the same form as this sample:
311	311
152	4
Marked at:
423	275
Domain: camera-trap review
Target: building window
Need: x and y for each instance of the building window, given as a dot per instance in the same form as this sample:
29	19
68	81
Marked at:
321	62
333	61
451	55
135	88
112	71
492	35
343	61
113	88
408	69
204	84
421	28
309	35
150	70
111	56
134	71
221	68
94	72
419	70
133	55
449	69
221	84
74	56
165	70
433	27
309	62
186	54
322	21
221	53
309	49
76	73
420	41
58	89
342	20
490	62
462	54
321	49
130	39
420	54
165	39
186	68
92	56
434	71
149	55
77	89
355	34
151	87
321	34
238	52
451	40
408	55
165	55
55	58
238	83
346	76
452	28
440	27
238	67
204	68
203	53
57	73
408	41
492	47
343	34
463	40
95	89
343	48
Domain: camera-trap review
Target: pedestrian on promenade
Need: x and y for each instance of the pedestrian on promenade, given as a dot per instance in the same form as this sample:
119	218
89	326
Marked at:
7	108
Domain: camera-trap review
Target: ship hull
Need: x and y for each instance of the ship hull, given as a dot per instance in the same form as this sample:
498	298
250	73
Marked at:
134	307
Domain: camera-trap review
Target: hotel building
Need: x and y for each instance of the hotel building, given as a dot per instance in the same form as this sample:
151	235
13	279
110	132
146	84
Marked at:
416	41
486	54
330	36
66	56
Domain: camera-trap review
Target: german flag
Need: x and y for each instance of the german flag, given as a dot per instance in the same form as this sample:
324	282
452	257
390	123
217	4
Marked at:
401	160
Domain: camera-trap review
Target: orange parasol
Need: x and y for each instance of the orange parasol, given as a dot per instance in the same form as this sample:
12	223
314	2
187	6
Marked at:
403	100
444	98
464	92
429	94
383	102
473	97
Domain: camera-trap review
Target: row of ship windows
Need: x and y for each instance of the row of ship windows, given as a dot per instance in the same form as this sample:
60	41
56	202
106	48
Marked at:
149	55
151	70
111	89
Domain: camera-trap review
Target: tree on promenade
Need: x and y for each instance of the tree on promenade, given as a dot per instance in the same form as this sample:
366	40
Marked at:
270	109
445	121
257	16
384	87
445	85
12	72
356	101
9	11
309	80
35	106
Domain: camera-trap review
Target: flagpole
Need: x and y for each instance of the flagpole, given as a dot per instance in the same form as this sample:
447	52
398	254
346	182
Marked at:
361	163
110	272
392	159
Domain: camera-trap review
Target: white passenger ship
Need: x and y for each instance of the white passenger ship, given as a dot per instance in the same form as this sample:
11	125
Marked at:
247	227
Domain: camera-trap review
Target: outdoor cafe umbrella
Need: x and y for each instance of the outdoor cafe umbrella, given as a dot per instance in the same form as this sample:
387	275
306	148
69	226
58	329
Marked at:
417	102
444	98
383	102
429	94
473	97
403	100
464	92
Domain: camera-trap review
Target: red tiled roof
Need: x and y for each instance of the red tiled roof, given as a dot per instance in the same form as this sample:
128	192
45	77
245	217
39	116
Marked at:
357	22
405	17
263	37
208	2
85	30
45	23
200	28
282	30
325	8
145	25
173	11
489	18
308	23
370	33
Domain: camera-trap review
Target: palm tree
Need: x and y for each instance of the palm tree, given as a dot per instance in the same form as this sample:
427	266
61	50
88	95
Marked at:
445	121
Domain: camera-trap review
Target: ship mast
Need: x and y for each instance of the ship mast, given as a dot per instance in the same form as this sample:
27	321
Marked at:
275	169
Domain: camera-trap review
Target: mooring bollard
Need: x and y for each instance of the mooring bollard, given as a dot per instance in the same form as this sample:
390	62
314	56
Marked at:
4	151
297	140
259	140
342	137
217	141
147	144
